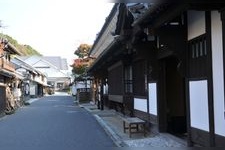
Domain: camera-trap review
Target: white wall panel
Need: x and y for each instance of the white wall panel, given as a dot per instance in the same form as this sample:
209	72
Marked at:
218	74
152	93
199	104
32	90
140	104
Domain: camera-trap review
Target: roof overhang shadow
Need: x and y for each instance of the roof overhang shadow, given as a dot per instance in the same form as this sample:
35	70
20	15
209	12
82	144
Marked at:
109	55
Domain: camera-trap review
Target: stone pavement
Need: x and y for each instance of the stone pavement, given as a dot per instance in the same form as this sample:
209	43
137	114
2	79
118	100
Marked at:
112	123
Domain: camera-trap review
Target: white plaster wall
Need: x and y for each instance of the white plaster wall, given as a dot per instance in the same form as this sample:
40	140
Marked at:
32	90
199	104
218	73
196	24
152	96
140	104
38	79
74	90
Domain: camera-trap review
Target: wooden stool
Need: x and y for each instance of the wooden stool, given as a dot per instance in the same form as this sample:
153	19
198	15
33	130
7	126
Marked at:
133	123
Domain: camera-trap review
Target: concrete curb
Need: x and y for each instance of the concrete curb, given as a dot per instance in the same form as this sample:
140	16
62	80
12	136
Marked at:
32	100
116	139
81	106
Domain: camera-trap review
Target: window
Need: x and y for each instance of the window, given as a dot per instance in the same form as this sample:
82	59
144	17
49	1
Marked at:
128	79
197	57
59	85
197	47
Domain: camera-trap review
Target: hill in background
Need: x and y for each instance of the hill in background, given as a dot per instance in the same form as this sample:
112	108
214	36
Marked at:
26	50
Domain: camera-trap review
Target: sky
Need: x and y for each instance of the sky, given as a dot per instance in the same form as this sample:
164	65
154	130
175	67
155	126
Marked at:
54	27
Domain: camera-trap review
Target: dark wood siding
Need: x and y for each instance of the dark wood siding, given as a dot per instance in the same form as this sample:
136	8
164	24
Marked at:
115	80
139	78
200	136
219	140
2	99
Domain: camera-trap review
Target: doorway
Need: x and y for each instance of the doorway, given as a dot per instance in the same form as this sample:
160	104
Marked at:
172	102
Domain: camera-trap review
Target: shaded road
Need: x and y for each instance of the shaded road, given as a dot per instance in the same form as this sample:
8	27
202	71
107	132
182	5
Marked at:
53	122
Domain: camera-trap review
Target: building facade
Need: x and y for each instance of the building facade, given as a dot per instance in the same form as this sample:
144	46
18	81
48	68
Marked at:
9	79
165	65
34	83
54	68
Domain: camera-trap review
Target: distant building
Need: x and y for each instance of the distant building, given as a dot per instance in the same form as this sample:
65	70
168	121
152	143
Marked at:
60	63
34	83
55	69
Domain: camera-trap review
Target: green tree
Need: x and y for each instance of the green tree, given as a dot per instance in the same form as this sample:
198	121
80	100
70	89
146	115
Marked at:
26	50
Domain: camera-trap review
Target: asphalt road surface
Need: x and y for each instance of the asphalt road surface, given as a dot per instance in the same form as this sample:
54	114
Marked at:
53	123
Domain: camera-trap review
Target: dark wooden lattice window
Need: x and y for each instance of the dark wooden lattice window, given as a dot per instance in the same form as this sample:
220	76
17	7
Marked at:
197	57
128	79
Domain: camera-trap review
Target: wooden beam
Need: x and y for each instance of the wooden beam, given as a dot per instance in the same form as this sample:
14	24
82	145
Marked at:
171	13
210	79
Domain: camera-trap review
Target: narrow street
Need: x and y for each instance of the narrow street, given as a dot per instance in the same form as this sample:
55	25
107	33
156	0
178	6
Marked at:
52	122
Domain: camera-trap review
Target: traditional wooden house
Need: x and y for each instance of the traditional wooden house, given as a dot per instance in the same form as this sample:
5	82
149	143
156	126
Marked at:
8	76
120	70
34	83
166	66
102	46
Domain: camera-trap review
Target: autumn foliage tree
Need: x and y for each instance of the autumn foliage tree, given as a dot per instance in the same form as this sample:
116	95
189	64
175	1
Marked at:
80	65
83	50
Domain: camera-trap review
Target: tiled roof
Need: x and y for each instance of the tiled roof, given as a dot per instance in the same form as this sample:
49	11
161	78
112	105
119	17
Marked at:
59	62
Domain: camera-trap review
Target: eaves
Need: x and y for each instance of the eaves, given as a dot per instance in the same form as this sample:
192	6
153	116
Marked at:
107	22
13	50
106	53
10	74
165	11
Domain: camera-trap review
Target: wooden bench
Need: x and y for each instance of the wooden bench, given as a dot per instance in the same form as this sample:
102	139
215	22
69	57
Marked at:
133	125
